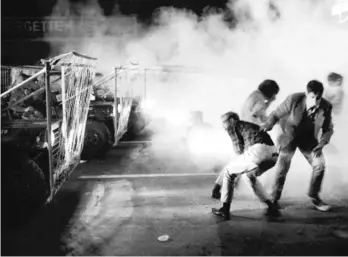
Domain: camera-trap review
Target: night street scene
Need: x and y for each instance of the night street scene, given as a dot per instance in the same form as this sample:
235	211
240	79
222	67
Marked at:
174	128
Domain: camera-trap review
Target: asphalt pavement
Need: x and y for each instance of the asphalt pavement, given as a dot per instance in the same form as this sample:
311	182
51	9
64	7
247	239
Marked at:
122	205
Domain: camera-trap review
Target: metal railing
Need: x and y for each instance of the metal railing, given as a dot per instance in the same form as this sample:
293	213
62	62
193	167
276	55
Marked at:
53	130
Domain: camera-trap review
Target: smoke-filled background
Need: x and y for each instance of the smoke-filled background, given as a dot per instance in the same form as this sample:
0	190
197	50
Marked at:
290	41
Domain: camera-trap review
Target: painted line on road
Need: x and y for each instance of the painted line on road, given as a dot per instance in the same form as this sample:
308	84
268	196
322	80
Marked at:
134	142
146	175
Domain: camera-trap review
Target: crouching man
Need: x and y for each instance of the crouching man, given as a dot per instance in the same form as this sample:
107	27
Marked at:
256	154
255	108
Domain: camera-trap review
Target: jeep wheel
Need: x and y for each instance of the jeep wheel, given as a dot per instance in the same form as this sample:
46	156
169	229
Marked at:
95	139
108	141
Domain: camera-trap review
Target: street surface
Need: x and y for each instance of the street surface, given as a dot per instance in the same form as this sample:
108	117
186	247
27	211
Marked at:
162	191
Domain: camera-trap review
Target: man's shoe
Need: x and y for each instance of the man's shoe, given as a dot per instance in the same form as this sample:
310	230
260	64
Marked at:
221	213
319	204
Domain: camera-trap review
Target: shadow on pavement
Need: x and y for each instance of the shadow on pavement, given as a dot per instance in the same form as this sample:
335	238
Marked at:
38	232
300	231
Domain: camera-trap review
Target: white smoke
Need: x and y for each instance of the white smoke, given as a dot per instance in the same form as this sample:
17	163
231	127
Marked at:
290	41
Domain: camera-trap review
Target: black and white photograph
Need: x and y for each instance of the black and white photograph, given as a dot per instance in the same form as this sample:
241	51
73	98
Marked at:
174	128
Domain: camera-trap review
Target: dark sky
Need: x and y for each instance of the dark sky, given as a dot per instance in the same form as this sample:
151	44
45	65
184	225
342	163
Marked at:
143	8
18	48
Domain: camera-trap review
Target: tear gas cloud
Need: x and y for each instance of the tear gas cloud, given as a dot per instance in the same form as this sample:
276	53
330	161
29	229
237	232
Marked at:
290	41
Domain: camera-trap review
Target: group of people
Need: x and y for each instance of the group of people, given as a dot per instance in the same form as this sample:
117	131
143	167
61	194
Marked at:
305	120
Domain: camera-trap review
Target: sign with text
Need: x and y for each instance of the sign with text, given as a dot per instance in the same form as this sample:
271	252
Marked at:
62	27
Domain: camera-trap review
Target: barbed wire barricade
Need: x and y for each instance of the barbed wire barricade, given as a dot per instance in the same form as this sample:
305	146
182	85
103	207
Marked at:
63	110
77	72
118	88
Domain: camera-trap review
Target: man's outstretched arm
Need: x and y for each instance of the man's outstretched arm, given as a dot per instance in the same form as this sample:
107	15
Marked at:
258	111
328	131
327	128
282	110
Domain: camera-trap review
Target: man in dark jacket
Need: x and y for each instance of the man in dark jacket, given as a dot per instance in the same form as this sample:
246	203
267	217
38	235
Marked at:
256	154
301	116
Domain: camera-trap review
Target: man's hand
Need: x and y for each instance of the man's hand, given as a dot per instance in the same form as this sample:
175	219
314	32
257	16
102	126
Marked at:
318	150
266	127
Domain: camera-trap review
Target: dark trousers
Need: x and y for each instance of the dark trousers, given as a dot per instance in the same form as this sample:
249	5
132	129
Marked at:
283	165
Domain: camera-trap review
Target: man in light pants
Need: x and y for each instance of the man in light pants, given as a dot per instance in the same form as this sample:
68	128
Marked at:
256	154
254	111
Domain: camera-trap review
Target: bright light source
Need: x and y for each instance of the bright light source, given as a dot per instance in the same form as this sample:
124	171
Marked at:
199	141
172	116
148	104
209	142
177	117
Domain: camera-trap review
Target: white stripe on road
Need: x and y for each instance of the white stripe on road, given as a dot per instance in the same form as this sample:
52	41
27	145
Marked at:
133	142
146	175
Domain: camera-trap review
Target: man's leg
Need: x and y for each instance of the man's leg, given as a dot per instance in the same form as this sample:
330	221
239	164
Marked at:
229	175
256	185
216	192
227	190
318	170
261	193
218	180
282	168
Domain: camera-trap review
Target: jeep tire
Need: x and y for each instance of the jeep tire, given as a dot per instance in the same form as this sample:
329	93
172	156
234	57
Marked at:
96	137
108	141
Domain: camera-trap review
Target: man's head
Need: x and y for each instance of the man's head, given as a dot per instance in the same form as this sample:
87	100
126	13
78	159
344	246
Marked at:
229	119
335	79
269	88
314	93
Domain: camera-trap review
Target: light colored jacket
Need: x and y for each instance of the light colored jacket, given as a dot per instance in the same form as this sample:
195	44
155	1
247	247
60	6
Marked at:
254	108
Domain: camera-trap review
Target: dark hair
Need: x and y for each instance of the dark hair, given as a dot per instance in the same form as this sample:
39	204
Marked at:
333	77
269	88
316	87
230	116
